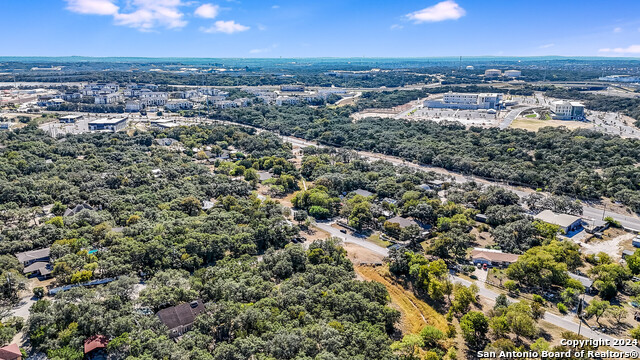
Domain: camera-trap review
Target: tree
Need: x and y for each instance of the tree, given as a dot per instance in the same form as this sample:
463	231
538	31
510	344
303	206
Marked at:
38	292
431	335
597	308
408	348
635	333
300	216
618	313
474	327
633	262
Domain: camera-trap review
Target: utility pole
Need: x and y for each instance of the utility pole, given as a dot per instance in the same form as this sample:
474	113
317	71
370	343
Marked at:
603	211
580	306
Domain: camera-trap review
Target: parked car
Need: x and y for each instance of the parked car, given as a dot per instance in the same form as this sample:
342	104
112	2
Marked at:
484	267
343	231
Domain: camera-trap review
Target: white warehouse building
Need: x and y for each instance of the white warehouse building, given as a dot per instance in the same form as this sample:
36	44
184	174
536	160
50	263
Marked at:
492	73
467	101
513	73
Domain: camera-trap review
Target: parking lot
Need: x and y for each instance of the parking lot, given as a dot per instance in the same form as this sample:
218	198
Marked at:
467	117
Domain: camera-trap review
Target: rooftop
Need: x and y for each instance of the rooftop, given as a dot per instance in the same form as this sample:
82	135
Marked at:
180	315
108	121
562	220
33	255
95	342
11	351
493	255
403	222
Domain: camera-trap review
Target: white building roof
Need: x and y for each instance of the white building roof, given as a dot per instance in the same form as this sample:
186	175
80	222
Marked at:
562	220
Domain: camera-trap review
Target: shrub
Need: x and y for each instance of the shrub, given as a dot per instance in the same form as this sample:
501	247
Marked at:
562	308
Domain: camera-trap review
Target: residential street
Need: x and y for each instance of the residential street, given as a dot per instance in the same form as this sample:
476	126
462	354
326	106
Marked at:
556	320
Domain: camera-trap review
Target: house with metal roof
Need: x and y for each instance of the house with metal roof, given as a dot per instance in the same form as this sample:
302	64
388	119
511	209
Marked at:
566	222
492	257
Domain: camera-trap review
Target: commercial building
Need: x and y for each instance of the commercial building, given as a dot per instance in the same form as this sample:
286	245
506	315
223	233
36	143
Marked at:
70	118
114	125
287	100
567	110
492	257
513	73
492	73
621	78
292	88
466	101
180	318
566	222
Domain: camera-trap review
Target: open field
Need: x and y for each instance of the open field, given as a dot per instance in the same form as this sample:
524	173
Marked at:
536	124
415	312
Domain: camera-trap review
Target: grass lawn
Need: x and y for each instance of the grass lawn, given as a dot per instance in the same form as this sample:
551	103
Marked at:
375	238
531	116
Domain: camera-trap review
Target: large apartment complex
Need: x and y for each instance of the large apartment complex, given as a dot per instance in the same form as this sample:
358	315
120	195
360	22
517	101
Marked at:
467	101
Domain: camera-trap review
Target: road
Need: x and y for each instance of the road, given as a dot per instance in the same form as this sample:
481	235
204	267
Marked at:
560	321
627	221
556	320
326	226
512	115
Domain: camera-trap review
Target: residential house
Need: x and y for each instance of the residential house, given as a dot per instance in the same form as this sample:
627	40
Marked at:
180	318
73	211
402	222
94	347
567	223
10	352
585	281
33	256
492	257
362	192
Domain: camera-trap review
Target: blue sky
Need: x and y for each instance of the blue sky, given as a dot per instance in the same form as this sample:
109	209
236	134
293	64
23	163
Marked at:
327	28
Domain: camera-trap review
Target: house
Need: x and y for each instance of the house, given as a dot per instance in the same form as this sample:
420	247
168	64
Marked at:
166	141
77	209
481	218
585	281
10	352
94	346
264	175
567	223
41	269
32	256
402	222
70	118
363	192
435	184
114	125
180	318
492	257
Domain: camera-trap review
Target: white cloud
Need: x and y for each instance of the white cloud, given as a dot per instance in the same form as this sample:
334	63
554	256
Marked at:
617	30
275	7
227	27
207	11
144	15
395	27
93	7
444	10
546	46
631	49
264	50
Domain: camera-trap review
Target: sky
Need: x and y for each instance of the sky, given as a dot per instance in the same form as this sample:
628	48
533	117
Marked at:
319	28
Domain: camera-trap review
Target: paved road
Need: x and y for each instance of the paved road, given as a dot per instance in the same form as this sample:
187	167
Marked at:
512	115
326	226
588	211
556	320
